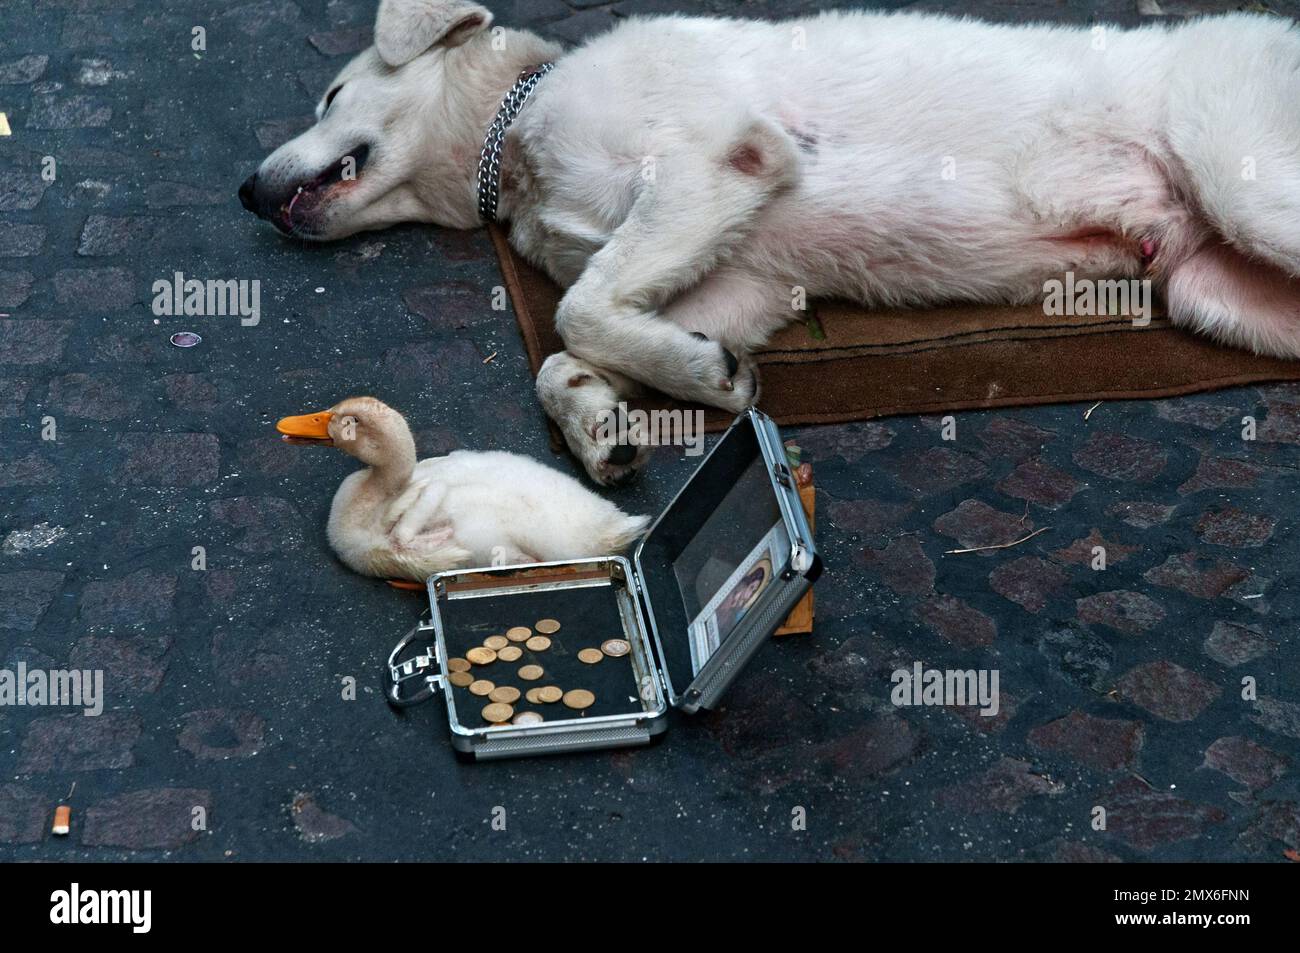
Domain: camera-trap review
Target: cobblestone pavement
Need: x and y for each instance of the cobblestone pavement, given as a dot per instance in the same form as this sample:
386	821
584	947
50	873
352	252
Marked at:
1120	688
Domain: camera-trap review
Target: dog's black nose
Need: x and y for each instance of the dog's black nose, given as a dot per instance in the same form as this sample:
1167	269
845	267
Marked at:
246	193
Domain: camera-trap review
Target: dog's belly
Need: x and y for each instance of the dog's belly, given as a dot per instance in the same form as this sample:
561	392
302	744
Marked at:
902	228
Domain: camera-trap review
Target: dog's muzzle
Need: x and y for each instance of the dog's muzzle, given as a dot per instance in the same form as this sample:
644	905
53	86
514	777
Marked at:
275	204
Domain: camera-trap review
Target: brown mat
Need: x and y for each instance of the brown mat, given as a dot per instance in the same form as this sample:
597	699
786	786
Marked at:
872	364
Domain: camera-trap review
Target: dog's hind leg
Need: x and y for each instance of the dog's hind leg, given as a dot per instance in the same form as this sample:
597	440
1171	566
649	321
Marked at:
696	209
1250	304
1237	139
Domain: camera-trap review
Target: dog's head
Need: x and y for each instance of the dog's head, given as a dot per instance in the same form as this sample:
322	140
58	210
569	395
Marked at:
397	132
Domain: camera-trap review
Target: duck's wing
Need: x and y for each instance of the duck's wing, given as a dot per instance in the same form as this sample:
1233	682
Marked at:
415	511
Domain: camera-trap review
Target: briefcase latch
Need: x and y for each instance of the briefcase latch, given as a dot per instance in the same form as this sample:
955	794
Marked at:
413	680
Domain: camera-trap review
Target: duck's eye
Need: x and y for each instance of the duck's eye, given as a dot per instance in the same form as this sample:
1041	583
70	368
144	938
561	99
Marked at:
329	98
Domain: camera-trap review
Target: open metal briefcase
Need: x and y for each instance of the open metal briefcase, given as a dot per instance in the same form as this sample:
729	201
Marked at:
712	579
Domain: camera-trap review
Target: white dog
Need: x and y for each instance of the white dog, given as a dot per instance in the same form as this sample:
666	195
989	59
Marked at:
686	179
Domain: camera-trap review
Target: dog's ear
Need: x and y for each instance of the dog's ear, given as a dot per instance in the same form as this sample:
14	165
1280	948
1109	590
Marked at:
406	28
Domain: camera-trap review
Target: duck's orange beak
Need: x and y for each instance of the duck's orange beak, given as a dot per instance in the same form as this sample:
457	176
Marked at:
307	429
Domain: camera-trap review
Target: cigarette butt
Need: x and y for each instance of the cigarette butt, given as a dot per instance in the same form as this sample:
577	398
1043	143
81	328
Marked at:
62	819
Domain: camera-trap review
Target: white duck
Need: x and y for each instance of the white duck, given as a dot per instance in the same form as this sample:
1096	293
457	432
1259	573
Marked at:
400	518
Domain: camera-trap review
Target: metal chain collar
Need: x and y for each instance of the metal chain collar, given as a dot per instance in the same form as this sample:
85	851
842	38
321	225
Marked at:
489	161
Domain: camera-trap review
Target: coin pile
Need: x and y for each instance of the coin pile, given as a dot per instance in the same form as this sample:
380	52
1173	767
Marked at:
506	648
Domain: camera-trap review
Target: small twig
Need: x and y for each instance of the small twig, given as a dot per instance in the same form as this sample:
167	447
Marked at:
488	359
1088	413
977	549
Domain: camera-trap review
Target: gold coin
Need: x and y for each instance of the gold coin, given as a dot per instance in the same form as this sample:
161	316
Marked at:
511	653
461	679
481	687
534	695
498	713
547	626
519	633
504	693
590	656
481	656
531	673
496	642
457	665
550	694
527	718
615	648
579	698
538	643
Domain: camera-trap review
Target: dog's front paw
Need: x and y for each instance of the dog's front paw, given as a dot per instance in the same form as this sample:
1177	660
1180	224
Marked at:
593	419
611	451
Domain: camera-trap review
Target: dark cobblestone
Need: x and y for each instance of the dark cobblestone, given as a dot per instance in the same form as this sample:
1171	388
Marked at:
1146	819
21	191
1278	716
903	565
974	523
1104	744
79	743
1028	581
21	241
141	599
1230	526
937	470
33	342
1196	575
112	235
1040	483
868	517
95	397
267	524
1198	413
1082	552
1079	657
103	289
1276	822
189	459
1223	473
23	815
1233	644
1010	438
24	597
1004	788
1245	762
25	69
1118	457
1168	690
218	734
956	622
130	665
1122	610
154	819
15	288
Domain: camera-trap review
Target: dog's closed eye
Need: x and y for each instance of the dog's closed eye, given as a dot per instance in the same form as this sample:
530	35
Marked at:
329	97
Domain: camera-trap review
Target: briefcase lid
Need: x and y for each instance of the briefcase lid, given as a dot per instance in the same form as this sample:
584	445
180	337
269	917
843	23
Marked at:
716	563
